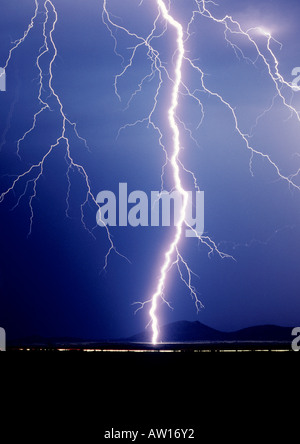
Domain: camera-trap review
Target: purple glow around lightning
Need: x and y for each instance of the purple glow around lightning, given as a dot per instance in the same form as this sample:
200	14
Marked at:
174	75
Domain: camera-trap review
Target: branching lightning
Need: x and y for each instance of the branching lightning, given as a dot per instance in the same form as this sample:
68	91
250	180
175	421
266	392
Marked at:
46	88
164	22
172	255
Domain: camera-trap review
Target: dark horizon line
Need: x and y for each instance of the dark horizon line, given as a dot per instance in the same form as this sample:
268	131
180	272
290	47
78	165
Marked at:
11	341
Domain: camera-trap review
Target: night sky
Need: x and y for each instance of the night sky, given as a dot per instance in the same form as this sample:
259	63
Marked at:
52	282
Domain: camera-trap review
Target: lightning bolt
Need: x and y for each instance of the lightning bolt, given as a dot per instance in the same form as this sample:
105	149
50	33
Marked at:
231	27
175	165
49	100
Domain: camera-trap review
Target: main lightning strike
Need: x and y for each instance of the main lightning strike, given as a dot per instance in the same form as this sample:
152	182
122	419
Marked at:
231	27
157	67
175	166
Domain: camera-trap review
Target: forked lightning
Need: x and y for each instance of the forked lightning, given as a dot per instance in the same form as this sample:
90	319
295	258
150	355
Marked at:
49	100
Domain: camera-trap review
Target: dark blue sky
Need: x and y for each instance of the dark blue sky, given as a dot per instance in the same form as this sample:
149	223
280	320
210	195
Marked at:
51	282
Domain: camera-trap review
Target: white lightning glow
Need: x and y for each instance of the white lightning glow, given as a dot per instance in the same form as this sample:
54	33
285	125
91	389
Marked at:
172	255
175	165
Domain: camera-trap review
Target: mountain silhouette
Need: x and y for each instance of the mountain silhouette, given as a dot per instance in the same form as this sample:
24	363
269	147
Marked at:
185	331
177	332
